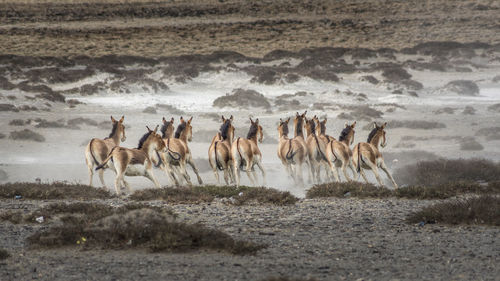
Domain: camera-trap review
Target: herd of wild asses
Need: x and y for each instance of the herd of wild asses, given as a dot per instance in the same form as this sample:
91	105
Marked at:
170	152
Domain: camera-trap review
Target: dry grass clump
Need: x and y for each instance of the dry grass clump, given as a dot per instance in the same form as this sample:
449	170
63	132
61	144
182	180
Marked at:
134	226
55	190
475	210
362	190
242	98
347	189
177	195
470	144
27	134
442	171
4	254
197	194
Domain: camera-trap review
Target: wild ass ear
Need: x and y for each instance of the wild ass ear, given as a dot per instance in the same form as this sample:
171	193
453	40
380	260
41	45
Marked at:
223	119
156	129
304	114
121	119
172	120
324	120
383	126
164	120
375	125
288	120
113	119
182	119
190	119
297	114
251	121
353	124
257	121
346	125
149	130
231	118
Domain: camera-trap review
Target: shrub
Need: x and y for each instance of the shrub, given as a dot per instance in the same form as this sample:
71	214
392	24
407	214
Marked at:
55	190
137	227
475	210
27	134
448	170
196	194
463	87
363	190
242	98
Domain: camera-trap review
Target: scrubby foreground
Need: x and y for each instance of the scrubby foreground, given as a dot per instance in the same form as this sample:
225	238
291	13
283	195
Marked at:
319	238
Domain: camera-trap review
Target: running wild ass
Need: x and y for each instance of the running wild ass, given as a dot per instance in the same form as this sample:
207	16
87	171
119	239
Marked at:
291	152
98	149
136	161
366	155
246	152
219	152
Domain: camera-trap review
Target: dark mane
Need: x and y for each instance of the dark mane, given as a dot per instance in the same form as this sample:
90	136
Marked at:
224	128
372	134
313	126
113	131
345	132
164	127
322	128
252	132
285	128
179	130
299	127
143	139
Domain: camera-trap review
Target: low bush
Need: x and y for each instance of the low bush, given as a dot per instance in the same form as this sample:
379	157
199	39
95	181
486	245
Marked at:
55	190
363	190
27	134
135	226
196	194
442	171
475	210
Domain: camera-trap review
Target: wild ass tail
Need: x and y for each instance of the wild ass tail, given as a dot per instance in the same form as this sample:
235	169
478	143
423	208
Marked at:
110	155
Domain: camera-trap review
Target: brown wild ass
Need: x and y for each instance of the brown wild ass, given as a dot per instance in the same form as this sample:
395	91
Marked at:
366	155
98	149
291	152
339	153
246	152
316	149
136	161
219	152
321	130
177	154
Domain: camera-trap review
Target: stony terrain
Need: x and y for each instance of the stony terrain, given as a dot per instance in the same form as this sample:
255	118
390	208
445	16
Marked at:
324	239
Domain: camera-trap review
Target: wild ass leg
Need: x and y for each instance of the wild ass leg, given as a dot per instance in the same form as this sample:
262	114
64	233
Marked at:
151	176
248	169
344	170
191	163
384	168
184	173
214	169
259	164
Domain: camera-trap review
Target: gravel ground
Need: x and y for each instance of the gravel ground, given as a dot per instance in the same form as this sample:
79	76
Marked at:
327	239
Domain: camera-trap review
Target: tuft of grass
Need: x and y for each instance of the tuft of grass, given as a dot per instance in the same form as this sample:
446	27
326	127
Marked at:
442	171
206	193
362	190
346	189
179	195
27	134
475	210
55	190
133	226
4	254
